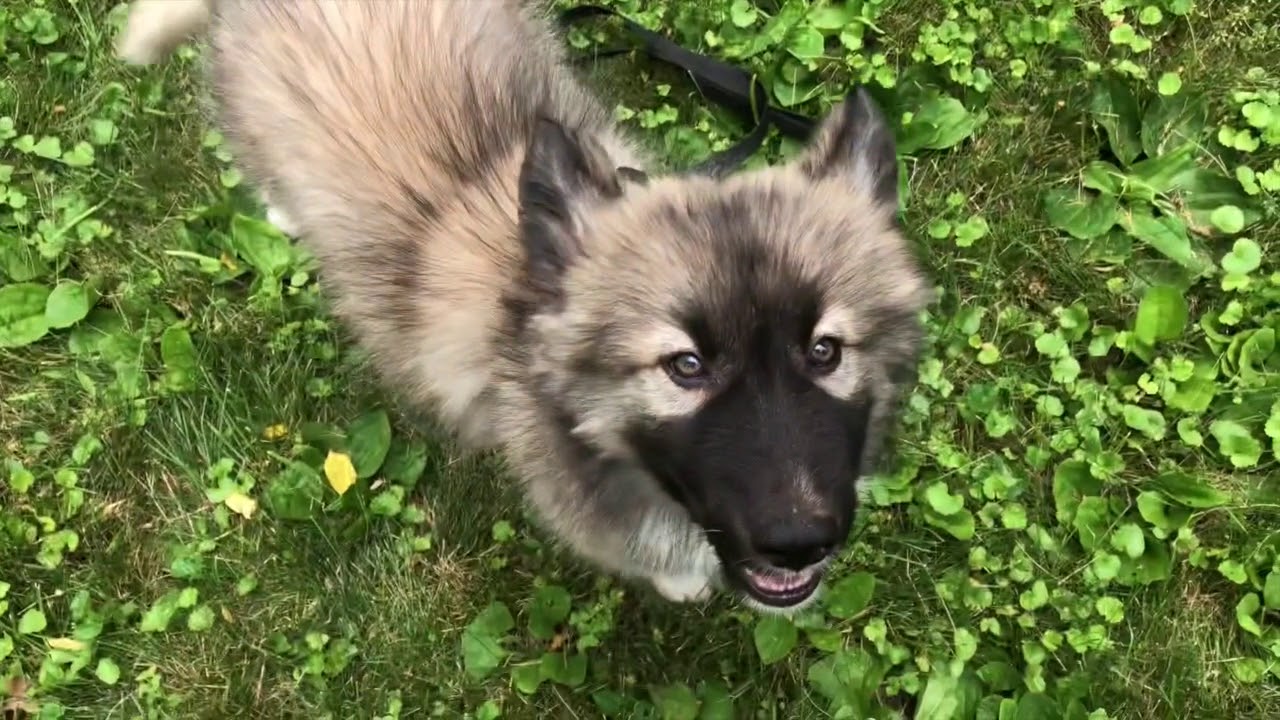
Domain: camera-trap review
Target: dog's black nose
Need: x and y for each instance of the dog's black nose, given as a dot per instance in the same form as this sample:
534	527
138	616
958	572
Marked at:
798	544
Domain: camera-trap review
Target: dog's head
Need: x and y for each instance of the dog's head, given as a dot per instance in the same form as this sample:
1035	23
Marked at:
743	339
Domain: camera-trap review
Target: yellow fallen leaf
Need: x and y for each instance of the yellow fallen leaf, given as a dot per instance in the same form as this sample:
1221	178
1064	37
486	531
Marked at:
66	643
241	504
275	432
339	471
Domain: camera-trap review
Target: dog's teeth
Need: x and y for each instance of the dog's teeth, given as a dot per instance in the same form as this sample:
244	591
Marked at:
781	583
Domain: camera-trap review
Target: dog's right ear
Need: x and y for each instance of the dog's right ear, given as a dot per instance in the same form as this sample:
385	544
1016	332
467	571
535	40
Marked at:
564	171
855	144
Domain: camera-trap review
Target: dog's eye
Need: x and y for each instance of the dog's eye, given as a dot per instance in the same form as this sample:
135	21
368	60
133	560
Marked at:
824	355
686	369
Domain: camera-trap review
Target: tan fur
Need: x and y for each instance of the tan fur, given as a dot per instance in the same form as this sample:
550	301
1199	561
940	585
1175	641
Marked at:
343	114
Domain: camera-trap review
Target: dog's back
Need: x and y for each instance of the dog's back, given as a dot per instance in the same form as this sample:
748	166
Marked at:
391	135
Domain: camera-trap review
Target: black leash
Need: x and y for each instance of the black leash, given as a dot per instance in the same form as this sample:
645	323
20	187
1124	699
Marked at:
729	86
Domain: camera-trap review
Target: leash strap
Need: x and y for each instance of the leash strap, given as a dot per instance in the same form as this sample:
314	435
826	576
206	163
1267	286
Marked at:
724	84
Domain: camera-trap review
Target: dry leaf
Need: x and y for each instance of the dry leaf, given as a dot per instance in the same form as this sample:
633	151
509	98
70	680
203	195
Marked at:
339	471
241	504
65	643
274	432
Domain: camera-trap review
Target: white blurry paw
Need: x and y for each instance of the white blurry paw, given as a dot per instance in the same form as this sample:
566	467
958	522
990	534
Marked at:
277	217
683	588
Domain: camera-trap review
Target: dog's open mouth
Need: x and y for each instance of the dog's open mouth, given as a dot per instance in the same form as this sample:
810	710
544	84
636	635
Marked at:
781	588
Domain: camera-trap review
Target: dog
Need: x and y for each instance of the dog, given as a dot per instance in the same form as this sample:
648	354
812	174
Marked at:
690	377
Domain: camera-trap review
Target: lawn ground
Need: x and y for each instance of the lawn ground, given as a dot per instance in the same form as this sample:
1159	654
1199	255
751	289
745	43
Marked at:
1082	518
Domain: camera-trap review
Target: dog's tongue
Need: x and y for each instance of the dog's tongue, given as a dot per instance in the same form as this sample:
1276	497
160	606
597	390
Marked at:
779	582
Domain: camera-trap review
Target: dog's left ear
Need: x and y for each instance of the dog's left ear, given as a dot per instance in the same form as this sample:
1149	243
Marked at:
564	170
855	144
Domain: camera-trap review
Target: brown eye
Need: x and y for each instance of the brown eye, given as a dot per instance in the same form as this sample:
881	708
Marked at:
824	355
686	369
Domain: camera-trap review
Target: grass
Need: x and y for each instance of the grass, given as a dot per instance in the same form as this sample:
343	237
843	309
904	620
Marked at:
1081	519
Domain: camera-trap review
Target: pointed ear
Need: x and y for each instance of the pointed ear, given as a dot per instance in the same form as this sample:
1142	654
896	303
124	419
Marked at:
855	144
564	170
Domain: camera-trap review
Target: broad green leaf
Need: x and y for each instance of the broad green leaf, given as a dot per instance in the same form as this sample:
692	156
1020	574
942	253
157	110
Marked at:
1091	521
1036	706
158	616
482	649
564	669
67	304
743	14
1114	107
527	678
80	155
790	93
848	678
938	701
1228	219
200	619
1080	215
1110	608
1271	590
675	701
297	493
1246	609
1248	670
1072	482
1148	422
1129	540
1105	565
1183	488
102	131
1170	83
18	261
1201	191
1166	235
806	43
1258	114
48	147
179	356
717	702
850	595
1162	315
1102	176
960	525
1153	177
22	316
108	671
1236	443
262	245
1153	509
405	463
388	502
1036	597
775	637
966	644
369	441
1244	258
942	500
1173	122
1000	676
1234	571
31	622
550	607
940	123
833	16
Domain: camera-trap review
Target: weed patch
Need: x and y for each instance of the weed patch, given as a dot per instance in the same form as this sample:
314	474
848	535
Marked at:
208	509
